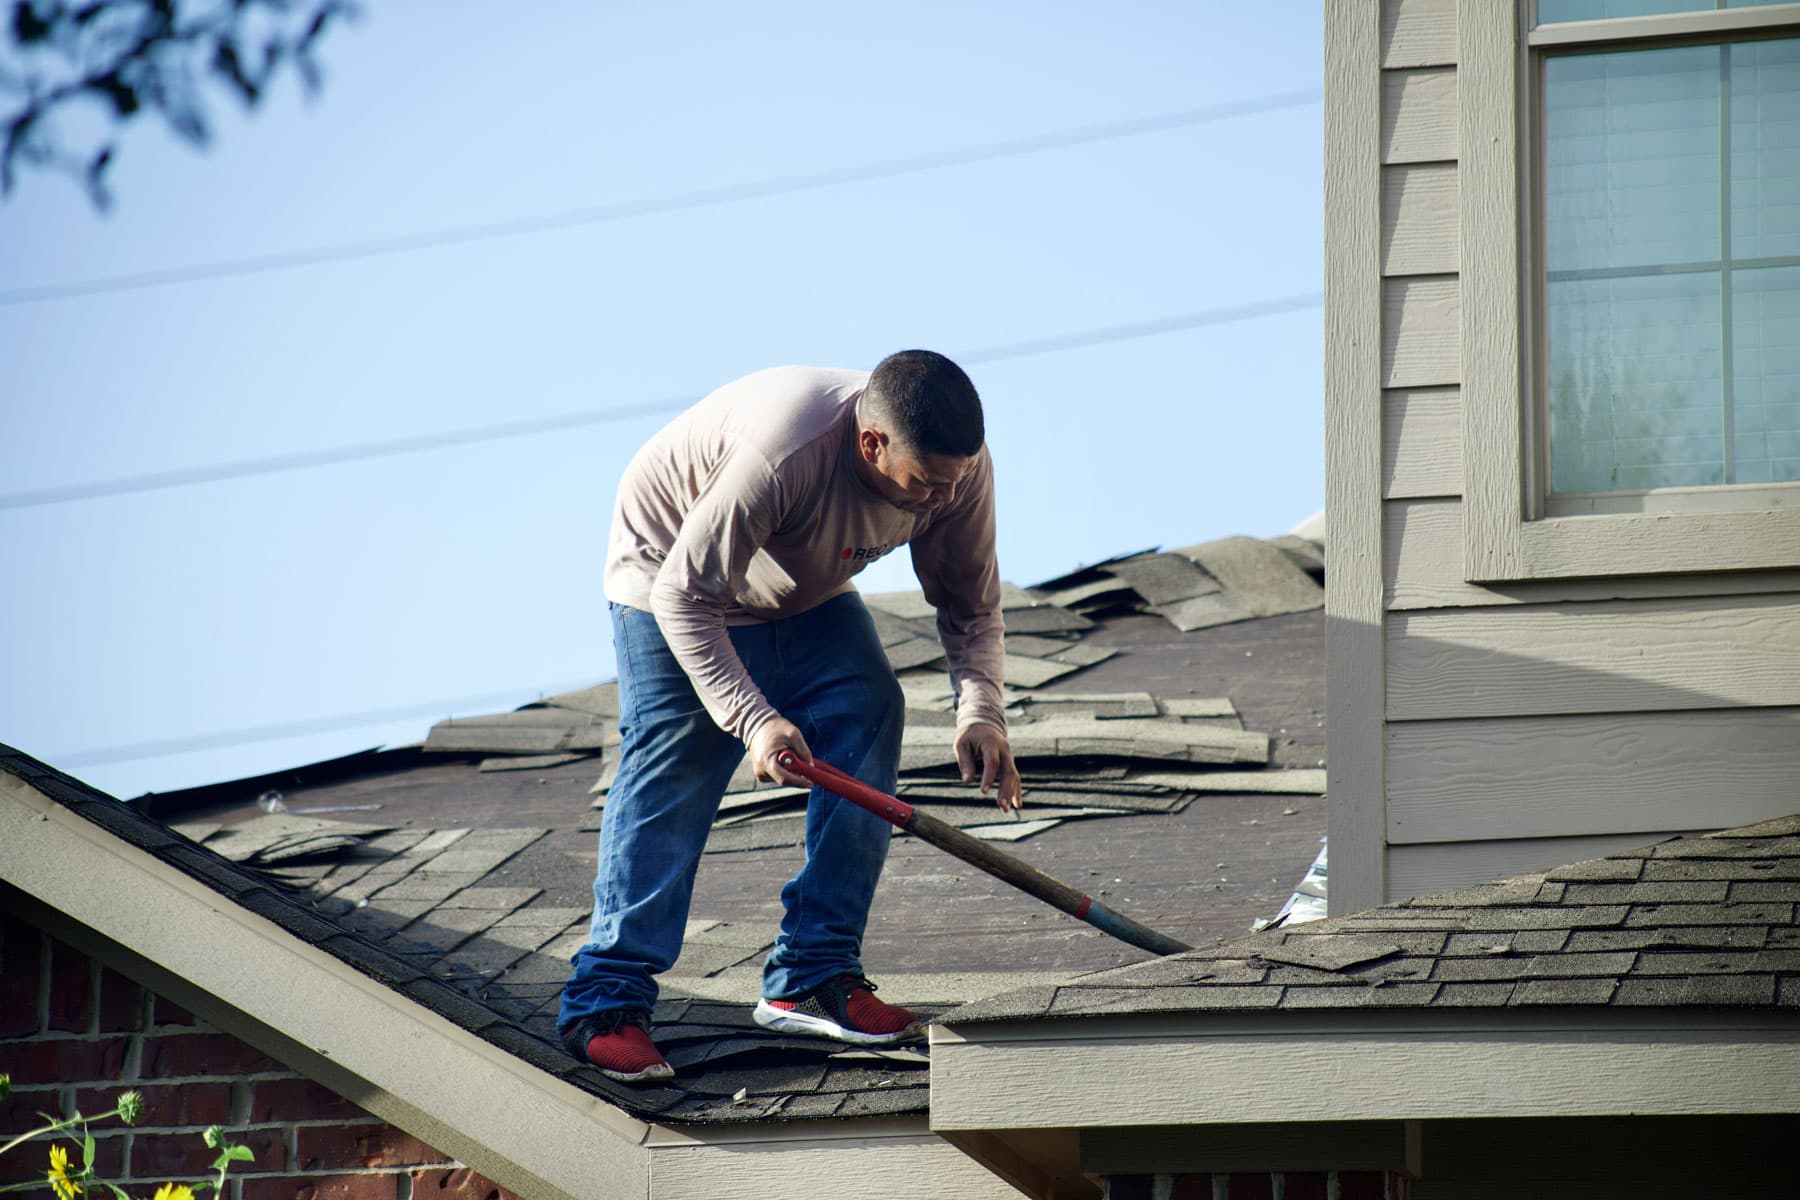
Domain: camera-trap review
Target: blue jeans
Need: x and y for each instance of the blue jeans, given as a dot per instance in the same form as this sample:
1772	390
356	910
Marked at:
825	671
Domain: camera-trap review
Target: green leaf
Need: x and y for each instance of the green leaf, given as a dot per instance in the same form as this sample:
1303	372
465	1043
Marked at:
230	1154
87	1150
118	1192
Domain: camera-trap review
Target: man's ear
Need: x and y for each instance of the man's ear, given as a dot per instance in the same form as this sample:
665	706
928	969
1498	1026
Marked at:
870	441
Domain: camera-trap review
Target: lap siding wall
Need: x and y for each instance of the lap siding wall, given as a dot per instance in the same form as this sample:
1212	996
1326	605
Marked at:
1530	724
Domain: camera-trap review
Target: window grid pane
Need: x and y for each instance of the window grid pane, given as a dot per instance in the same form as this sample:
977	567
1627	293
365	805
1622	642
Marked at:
1765	331
1672	295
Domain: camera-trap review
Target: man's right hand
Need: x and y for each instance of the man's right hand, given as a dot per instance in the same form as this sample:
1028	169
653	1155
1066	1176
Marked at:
767	743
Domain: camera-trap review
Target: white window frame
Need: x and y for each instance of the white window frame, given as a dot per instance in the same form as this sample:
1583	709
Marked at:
1509	532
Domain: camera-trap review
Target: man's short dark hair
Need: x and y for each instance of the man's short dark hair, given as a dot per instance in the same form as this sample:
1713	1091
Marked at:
928	402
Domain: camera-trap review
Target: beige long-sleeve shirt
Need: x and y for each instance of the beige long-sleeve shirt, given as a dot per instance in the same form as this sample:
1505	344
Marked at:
747	507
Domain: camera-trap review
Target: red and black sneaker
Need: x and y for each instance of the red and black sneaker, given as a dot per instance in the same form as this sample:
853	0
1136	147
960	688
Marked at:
844	1009
618	1042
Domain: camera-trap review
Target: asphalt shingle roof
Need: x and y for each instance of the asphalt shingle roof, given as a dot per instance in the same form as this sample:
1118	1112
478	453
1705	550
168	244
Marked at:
462	881
1698	922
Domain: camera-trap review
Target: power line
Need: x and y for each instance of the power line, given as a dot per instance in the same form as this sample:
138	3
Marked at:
1140	329
288	729
300	460
700	198
244	468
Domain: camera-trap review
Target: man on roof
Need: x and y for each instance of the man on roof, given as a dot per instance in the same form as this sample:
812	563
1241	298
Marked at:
735	538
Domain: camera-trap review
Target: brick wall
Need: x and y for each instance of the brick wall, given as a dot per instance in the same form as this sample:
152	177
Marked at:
74	1034
1288	1185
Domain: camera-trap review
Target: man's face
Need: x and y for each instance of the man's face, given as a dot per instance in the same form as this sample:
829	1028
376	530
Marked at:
919	483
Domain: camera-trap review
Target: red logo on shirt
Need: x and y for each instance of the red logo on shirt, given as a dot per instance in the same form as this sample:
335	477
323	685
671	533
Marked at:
865	553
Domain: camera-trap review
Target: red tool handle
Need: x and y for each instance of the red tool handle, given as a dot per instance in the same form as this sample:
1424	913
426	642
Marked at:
976	853
891	809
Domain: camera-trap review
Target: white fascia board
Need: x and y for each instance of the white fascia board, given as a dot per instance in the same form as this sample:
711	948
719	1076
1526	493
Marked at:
895	1157
1361	1065
523	1128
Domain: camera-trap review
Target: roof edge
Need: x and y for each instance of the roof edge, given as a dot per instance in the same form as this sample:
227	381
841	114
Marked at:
171	932
1360	1065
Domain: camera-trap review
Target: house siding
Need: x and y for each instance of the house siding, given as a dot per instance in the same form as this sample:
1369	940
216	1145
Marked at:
74	1034
1525	724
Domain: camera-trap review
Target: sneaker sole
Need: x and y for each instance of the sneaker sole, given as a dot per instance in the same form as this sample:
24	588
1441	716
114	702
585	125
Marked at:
652	1074
783	1021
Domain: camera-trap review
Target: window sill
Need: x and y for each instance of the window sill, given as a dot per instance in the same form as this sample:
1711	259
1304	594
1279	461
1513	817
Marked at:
1722	498
1616	544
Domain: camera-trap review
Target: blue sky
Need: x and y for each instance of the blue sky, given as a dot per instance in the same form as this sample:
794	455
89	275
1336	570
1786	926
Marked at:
375	595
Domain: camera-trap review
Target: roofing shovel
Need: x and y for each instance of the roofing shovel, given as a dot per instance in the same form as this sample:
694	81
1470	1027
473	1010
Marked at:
977	853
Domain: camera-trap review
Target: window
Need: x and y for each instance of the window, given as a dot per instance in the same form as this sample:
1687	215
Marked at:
1670	218
1647	154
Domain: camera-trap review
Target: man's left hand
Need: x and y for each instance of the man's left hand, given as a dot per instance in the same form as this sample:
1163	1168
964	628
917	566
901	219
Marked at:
983	747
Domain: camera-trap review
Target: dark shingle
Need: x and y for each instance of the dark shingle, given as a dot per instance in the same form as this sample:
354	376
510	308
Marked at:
1572	965
1726	845
1717	962
1522	889
1495	967
1479	945
1701	990
1712	914
1740	868
1393	995
1564	991
1012	1006
1590	916
1178	971
1668	892
1078	1001
1689	937
448	1002
1330	952
1618	870
372	960
1751	890
1473	995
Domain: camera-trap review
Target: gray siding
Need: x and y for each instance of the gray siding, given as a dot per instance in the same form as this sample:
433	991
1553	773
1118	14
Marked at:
1526	724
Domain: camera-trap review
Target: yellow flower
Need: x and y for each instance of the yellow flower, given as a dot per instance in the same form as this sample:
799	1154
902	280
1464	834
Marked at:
65	1188
174	1191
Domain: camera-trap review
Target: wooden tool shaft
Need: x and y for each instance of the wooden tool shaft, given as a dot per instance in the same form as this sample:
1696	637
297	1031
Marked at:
1050	890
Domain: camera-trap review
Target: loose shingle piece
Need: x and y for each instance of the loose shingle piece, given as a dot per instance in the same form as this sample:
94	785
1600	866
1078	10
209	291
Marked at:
1610	932
1063	740
1212	583
281	838
1082	756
